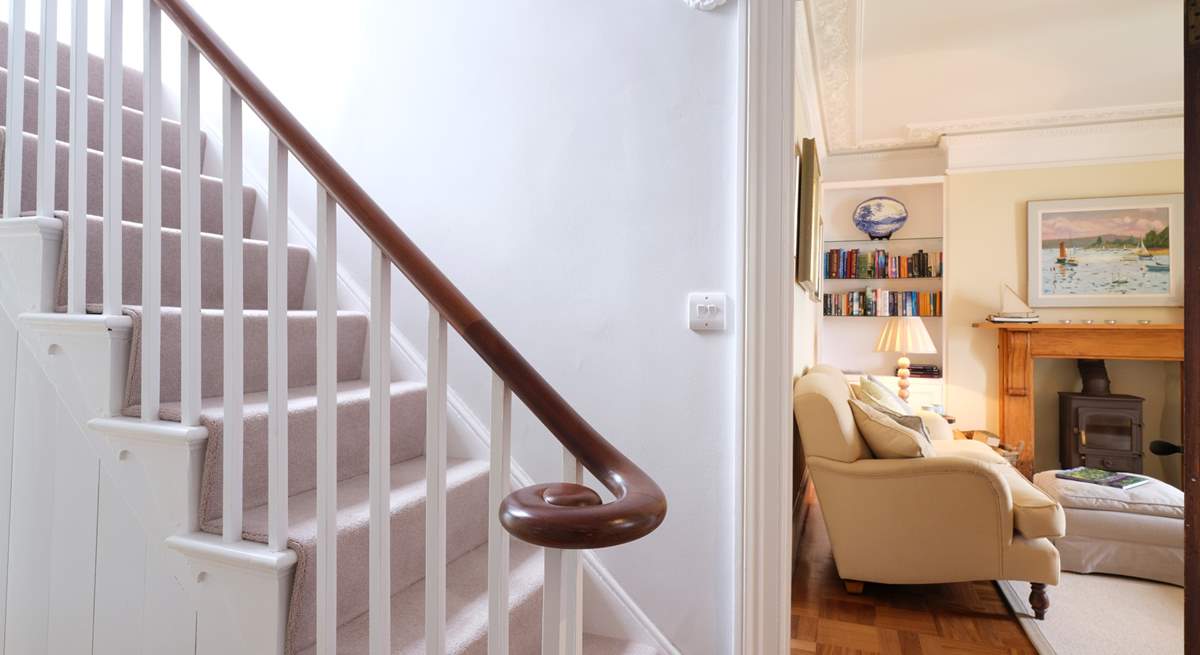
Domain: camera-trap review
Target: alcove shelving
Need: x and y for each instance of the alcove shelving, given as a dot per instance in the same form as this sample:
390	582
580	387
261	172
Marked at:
848	342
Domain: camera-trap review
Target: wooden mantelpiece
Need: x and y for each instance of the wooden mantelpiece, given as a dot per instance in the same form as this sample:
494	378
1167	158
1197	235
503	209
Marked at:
1020	343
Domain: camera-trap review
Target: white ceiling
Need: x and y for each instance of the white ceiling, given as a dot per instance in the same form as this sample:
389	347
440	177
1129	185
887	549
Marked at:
900	73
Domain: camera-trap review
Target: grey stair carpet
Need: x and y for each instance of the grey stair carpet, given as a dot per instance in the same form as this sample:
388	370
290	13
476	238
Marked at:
467	493
131	194
254	266
131	123
132	82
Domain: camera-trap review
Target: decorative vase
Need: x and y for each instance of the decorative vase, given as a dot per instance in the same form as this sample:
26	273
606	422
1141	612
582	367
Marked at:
880	217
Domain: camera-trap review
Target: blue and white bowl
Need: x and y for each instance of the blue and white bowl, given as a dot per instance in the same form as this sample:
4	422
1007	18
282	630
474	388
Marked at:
880	216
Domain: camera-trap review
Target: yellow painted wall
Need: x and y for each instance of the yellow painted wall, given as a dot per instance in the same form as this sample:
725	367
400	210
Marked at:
986	245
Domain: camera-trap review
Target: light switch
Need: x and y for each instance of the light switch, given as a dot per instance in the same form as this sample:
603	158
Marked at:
706	311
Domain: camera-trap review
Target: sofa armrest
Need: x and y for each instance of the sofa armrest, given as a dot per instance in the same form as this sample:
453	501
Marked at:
937	426
913	521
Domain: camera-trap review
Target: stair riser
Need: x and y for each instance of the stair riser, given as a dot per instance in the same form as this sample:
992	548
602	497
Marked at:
301	359
131	196
132	83
131	123
212	272
407	441
466	527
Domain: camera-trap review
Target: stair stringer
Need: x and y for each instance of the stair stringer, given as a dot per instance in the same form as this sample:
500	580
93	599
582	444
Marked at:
155	466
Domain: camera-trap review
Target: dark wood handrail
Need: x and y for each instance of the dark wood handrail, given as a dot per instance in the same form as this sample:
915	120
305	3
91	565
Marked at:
557	515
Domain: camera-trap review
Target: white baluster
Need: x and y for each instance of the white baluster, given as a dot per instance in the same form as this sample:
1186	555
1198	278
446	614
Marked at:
77	165
189	226
326	423
16	108
231	258
572	576
562	596
499	486
435	487
151	207
277	345
380	626
47	107
113	207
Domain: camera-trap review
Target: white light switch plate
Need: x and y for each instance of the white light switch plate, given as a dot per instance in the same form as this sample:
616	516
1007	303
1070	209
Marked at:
706	311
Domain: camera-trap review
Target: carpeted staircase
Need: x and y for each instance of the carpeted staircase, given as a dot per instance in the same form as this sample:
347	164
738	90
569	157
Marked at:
466	479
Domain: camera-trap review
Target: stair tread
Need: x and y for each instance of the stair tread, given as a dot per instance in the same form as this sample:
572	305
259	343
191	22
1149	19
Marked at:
131	78
466	607
407	485
299	398
254	267
131	122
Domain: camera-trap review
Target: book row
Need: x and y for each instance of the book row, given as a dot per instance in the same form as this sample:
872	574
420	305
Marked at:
880	265
881	302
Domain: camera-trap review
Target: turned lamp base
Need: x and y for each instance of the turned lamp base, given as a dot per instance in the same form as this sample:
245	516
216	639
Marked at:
902	372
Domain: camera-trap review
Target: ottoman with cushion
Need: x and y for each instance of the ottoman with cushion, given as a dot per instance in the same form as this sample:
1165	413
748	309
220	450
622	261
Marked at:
1134	532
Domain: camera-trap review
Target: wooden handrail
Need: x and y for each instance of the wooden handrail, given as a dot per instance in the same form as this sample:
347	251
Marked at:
556	515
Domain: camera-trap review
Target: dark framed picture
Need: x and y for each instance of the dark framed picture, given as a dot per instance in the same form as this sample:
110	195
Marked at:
808	219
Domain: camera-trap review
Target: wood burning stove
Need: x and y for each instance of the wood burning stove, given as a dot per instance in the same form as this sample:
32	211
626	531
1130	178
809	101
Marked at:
1098	428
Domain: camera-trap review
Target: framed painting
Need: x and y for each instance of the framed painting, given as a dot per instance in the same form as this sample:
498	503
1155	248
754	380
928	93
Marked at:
1106	252
808	219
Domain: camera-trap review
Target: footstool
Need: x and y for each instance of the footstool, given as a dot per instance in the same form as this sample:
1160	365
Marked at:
1134	532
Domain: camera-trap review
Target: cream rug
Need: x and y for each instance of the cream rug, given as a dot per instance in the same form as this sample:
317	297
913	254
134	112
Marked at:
1099	614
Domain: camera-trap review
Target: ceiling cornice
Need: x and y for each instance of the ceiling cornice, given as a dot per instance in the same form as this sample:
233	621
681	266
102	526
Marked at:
835	34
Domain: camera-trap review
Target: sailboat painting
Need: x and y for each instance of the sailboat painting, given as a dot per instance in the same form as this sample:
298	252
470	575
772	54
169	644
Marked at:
1106	252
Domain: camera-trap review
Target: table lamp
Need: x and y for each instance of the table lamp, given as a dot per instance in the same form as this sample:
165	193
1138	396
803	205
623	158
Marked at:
905	335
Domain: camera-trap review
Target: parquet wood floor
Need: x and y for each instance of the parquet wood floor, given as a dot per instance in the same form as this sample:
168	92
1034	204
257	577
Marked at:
967	618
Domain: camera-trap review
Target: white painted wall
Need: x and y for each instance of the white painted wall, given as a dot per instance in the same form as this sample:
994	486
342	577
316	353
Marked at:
572	167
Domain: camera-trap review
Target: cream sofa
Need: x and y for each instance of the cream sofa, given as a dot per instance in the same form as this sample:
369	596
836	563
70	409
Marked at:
963	514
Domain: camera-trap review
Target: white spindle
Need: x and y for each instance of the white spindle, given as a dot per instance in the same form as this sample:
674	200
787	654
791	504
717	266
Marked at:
435	487
16	108
572	576
380	599
499	486
47	107
77	161
562	595
277	345
189	226
151	207
231	258
326	423
113	207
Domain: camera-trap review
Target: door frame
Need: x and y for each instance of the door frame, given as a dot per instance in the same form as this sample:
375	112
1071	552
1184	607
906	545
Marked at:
766	165
1191	316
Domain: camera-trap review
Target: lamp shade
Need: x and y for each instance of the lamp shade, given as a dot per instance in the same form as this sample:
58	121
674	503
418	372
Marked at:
905	334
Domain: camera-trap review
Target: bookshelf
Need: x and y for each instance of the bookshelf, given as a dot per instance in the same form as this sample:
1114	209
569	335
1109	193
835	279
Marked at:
848	342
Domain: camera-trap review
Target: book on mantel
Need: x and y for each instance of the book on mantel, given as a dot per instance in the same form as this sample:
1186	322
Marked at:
1013	309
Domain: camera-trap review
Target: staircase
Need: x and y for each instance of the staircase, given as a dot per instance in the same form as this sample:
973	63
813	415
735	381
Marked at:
185	324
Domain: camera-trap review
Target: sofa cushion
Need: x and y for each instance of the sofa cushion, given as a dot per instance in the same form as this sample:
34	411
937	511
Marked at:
910	421
1034	513
887	438
936	426
881	395
824	418
967	448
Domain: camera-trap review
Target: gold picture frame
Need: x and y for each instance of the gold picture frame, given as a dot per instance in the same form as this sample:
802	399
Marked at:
808	219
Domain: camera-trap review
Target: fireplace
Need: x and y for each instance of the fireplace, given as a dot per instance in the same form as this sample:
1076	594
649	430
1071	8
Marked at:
1098	428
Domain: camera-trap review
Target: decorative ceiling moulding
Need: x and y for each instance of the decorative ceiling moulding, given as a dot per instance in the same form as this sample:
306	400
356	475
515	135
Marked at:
704	5
834	30
1072	145
929	133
